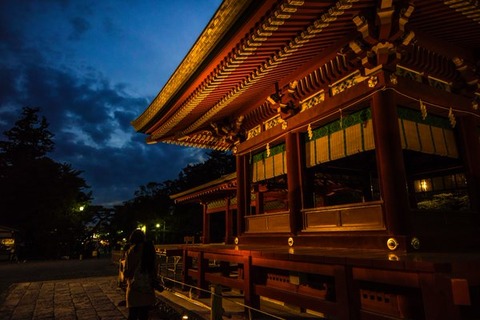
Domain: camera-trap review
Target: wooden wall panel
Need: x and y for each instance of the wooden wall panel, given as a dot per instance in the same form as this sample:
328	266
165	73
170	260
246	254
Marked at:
266	223
368	216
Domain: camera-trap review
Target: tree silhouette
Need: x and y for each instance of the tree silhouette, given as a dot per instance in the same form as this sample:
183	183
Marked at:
218	164
152	202
40	197
28	140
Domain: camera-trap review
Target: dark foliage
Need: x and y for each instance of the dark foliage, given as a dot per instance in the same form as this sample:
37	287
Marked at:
165	221
218	164
40	197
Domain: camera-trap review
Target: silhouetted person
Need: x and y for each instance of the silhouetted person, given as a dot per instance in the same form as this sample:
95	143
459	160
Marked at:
13	254
140	274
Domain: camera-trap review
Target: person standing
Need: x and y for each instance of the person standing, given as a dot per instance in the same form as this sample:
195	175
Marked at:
140	274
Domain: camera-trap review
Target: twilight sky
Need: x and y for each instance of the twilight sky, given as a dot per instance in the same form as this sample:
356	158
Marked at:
92	66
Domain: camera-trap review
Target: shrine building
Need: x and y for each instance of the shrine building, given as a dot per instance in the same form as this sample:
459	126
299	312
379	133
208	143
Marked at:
355	125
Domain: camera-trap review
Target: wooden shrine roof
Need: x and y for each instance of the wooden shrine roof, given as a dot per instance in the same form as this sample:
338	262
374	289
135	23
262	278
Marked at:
225	184
250	48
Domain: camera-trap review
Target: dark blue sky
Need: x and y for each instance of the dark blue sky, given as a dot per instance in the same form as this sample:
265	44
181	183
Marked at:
92	67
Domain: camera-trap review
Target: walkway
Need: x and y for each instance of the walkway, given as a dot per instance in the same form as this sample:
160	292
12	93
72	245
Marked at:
65	290
87	290
82	299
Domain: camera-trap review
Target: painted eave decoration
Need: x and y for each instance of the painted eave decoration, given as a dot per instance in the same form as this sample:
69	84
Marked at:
262	62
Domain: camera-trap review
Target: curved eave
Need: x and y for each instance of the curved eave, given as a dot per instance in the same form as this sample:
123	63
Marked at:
223	184
224	18
269	48
202	141
284	41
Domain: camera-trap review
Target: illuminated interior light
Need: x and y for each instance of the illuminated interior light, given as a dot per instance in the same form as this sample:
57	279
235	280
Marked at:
425	185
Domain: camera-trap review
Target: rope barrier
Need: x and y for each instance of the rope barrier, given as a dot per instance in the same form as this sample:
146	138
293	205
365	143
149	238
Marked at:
249	308
368	96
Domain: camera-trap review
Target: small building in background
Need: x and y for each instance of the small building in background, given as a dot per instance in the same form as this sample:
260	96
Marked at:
8	243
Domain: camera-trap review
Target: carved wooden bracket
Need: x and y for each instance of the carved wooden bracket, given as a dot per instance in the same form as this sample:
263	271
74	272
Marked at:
229	131
383	39
467	71
285	101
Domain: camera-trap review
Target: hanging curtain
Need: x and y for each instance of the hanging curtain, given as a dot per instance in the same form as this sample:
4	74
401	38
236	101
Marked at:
433	135
341	138
268	165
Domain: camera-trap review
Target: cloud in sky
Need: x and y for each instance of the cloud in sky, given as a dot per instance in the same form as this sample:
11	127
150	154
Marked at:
92	67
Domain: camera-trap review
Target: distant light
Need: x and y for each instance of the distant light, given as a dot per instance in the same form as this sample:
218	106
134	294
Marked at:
184	317
425	185
157	225
81	208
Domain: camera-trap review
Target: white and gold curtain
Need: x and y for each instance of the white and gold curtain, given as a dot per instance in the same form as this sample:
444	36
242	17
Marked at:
269	163
354	134
432	135
344	137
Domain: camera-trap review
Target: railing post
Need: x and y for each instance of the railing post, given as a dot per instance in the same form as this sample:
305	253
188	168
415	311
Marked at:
187	264
216	302
202	268
251	299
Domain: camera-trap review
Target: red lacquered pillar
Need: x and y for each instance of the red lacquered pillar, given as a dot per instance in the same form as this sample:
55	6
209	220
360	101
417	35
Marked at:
293	182
390	163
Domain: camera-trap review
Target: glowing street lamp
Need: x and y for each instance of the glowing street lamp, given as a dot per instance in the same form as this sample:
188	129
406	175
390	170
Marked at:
143	228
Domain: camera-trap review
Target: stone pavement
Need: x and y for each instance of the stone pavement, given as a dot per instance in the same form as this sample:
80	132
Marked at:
95	298
65	289
88	290
82	299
